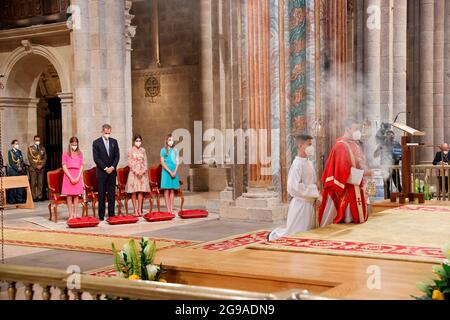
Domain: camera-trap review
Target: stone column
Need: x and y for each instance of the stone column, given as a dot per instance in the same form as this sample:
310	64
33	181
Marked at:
372	64
400	57
82	103
447	71
206	63
115	62
130	32
438	71
426	74
67	117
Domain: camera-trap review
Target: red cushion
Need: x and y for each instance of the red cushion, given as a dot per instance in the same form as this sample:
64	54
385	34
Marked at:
192	214
159	216
85	222
122	220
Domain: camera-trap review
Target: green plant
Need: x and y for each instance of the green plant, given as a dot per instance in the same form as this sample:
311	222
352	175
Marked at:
137	264
440	288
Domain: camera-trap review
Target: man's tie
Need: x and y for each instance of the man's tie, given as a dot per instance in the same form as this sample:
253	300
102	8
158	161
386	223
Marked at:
107	146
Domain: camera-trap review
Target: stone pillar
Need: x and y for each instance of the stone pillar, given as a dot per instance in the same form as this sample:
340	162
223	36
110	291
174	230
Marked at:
447	71
206	62
372	65
214	59
67	117
115	56
400	57
259	203
130	32
259	93
82	102
426	76
102	73
438	71
376	68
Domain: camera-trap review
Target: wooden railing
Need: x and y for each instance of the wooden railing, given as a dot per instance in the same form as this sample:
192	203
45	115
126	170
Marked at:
81	286
438	187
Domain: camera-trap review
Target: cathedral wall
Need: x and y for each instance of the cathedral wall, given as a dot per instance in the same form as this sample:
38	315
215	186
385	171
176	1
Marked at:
178	103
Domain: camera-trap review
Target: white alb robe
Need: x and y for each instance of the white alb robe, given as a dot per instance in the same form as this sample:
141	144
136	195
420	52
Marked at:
302	186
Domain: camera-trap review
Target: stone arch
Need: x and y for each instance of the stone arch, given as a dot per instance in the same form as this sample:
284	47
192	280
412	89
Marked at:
21	72
26	54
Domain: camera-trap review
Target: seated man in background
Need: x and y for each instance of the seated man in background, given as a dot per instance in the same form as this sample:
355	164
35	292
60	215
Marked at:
441	158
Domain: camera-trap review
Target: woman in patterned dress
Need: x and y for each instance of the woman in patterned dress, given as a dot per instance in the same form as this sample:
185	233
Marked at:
169	176
137	183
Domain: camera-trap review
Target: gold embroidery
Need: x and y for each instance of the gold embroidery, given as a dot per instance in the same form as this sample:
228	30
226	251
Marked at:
357	190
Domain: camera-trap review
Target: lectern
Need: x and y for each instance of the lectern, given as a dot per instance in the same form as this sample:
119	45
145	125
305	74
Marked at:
406	166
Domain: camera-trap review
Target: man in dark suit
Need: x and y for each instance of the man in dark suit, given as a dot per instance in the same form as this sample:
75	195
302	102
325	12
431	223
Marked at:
106	156
442	158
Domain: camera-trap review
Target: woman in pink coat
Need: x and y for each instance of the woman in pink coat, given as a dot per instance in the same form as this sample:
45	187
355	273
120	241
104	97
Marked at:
72	186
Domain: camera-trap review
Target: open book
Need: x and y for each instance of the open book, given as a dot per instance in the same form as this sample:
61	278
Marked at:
407	129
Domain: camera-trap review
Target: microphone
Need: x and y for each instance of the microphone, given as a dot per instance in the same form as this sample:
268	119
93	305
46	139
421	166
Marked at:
396	117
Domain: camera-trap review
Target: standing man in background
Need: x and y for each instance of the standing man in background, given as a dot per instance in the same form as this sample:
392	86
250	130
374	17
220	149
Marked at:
16	167
106	156
37	157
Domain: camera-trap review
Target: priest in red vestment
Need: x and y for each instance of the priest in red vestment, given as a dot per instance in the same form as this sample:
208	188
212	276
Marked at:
343	194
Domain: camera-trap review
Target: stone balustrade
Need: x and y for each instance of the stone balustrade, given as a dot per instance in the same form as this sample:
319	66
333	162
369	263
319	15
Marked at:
25	282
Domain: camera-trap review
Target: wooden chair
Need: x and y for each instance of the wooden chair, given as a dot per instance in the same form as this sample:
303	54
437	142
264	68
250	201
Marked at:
91	187
55	179
122	178
155	183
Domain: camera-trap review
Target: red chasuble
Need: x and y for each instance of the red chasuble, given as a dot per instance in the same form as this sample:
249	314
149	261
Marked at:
345	154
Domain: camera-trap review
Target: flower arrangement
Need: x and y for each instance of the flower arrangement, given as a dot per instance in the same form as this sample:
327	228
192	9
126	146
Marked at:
135	264
440	288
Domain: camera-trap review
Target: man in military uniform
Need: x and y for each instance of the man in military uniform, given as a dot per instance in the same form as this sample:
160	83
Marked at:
37	158
16	167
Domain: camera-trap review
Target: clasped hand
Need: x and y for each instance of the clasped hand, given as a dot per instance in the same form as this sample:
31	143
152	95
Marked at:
109	170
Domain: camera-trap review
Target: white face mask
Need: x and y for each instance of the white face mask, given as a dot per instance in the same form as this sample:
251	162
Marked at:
310	151
74	148
37	143
16	146
357	135
445	152
170	143
106	136
138	144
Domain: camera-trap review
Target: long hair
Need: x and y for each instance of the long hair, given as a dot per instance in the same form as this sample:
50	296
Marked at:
72	140
167	145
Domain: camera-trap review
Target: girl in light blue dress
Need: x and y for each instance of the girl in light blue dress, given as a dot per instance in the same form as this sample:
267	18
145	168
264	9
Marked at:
170	181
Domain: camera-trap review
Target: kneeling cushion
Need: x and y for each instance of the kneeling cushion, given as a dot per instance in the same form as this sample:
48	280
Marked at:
122	220
84	222
192	214
159	216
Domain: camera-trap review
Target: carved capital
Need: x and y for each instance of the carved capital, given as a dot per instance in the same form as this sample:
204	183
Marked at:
27	45
130	31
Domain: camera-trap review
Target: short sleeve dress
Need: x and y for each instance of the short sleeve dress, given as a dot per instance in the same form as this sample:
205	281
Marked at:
138	177
170	159
73	164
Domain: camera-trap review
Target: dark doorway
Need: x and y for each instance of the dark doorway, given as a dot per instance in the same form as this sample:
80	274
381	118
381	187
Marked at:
50	130
53	134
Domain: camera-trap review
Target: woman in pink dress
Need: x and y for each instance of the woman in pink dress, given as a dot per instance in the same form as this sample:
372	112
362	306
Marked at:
72	186
137	182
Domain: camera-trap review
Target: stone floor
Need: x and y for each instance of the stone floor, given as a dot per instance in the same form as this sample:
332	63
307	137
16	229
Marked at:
207	229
